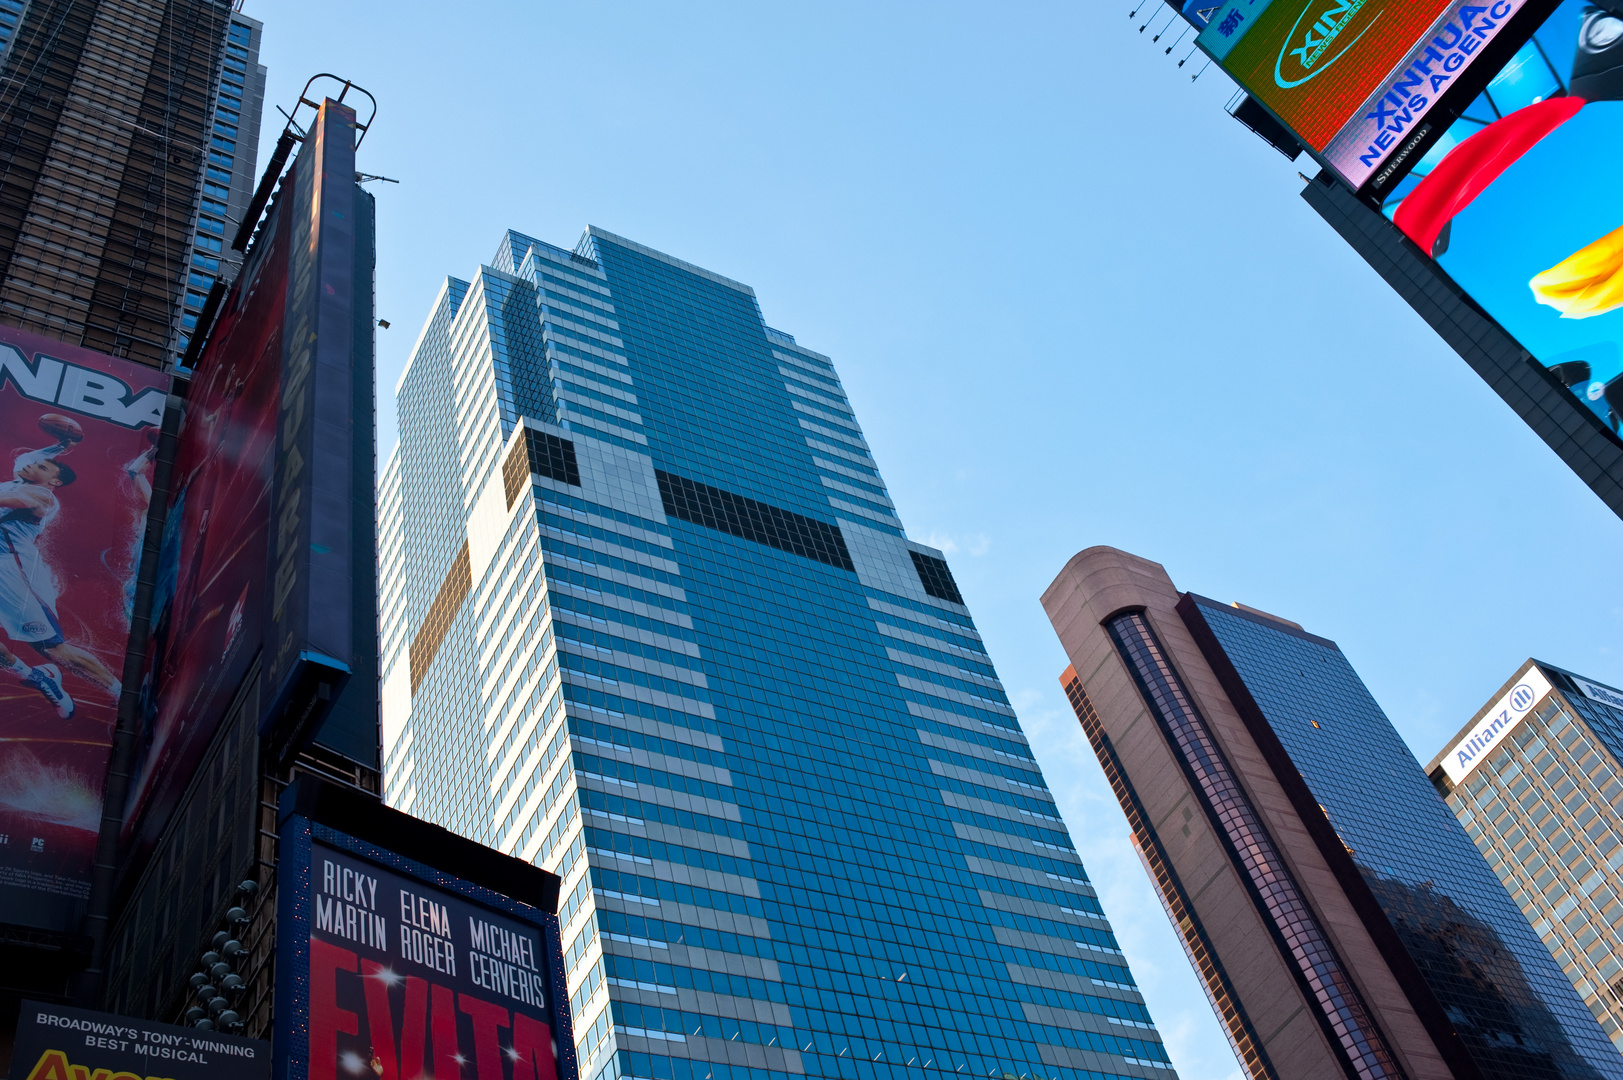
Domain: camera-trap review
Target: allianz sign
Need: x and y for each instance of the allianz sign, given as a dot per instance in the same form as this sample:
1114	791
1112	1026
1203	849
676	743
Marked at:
1497	723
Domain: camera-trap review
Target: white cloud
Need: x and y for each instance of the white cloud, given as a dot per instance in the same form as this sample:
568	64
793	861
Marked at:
974	544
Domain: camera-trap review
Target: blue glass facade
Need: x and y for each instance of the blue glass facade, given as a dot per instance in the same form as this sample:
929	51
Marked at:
228	170
650	621
1514	1011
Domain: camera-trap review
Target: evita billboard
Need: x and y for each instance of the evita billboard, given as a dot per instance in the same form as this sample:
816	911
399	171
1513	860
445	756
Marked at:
79	433
406	951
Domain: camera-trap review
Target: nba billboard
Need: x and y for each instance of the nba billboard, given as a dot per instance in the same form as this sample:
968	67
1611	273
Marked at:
1518	201
407	951
79	430
258	566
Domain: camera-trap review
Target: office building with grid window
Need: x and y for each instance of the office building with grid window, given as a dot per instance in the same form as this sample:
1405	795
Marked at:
1337	914
1536	778
650	621
128	131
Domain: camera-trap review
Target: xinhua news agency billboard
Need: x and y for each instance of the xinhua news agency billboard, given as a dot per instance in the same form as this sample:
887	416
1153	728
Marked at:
79	431
388	965
1354	79
1519	201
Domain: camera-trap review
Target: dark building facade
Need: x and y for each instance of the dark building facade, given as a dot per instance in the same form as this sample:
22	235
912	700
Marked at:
1340	918
127	135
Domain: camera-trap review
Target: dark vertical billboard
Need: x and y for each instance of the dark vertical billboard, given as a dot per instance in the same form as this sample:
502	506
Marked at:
79	431
392	967
1518	201
255	518
309	634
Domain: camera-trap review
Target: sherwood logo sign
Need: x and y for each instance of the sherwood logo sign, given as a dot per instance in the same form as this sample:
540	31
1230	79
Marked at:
1316	40
1497	723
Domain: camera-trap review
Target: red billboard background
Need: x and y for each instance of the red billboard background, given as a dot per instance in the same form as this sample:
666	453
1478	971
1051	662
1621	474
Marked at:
208	603
69	551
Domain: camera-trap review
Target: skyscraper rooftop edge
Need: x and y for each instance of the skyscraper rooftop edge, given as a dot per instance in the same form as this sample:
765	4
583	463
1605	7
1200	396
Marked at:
1257	615
680	264
1476	717
448	285
1521	670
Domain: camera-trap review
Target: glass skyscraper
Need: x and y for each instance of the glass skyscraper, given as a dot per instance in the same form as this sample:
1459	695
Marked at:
1506	1001
1314	874
650	621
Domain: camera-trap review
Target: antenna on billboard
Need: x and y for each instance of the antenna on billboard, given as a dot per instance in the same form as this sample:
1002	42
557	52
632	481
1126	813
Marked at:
292	133
1163	29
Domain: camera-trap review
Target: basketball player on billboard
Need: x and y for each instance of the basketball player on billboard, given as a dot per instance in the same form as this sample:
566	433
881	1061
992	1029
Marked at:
28	504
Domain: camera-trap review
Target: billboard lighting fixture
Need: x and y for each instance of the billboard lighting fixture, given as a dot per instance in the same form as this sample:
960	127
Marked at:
292	133
218	982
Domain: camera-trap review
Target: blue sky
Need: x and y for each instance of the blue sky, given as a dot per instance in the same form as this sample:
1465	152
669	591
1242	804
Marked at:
1073	303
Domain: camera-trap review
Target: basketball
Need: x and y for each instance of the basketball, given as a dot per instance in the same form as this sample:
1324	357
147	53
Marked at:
61	428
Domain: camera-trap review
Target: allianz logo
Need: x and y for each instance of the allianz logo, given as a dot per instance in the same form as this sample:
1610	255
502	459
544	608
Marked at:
1604	695
1494	728
1305	51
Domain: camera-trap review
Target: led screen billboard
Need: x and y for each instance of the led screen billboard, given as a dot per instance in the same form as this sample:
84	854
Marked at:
390	966
1518	201
1352	79
79	432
